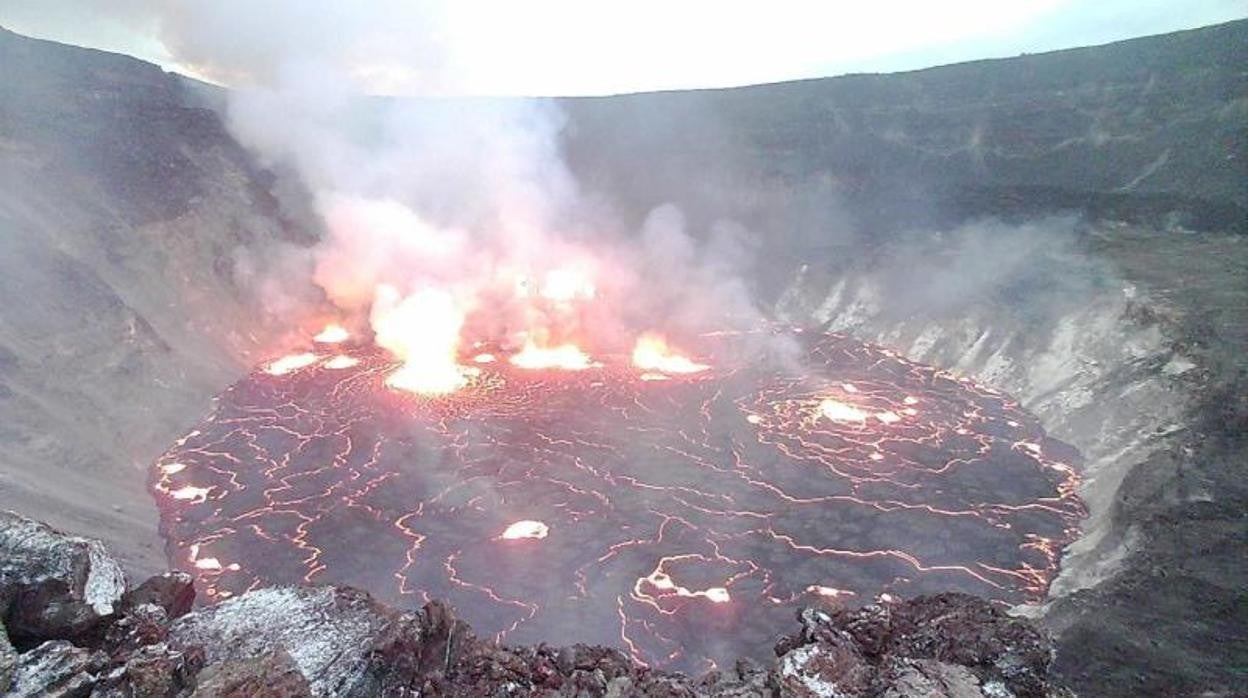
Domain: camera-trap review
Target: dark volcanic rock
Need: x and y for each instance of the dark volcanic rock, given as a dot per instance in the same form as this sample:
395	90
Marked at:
962	629
137	627
272	675
326	631
153	670
902	678
56	669
8	660
831	666
947	644
53	585
172	591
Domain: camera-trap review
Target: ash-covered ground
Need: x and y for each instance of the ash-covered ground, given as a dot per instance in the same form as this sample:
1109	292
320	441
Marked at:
682	517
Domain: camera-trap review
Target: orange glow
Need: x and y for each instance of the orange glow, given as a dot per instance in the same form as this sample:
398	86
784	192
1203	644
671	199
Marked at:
526	529
830	592
208	563
663	582
717	595
332	334
290	363
566	285
484	358
568	357
191	493
211	564
654	377
422	330
341	361
841	412
172	468
653	354
888	417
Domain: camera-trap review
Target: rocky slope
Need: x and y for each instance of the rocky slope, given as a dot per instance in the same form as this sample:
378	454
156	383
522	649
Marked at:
1148	130
124	215
71	627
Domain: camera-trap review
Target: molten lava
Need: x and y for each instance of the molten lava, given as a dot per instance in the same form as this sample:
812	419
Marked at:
332	334
341	361
680	520
652	354
526	529
841	412
290	363
567	357
566	285
422	330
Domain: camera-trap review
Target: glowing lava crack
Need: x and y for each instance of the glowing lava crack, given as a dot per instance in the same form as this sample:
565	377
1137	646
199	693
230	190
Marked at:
683	519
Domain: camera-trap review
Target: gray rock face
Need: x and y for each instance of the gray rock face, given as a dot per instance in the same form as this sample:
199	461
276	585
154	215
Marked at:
924	677
948	644
8	660
56	669
325	631
151	670
53	585
172	591
274	675
123	213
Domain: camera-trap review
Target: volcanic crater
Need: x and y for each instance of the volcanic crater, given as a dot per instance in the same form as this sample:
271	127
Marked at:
683	516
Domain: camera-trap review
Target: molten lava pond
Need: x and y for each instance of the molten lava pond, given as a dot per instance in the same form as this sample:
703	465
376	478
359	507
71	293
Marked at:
682	518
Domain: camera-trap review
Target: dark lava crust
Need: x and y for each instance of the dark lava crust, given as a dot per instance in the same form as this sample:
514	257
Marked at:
333	641
681	518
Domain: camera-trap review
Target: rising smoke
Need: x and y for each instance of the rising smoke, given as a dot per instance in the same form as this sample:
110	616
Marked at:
447	216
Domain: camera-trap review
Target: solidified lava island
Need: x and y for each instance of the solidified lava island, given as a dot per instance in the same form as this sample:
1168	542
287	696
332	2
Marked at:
681	512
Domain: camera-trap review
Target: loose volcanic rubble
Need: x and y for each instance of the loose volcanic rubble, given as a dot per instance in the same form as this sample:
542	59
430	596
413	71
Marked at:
73	628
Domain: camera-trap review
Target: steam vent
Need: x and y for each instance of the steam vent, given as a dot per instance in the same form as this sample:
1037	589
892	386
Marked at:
336	361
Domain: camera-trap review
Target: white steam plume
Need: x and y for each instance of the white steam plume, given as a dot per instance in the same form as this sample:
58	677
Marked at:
459	215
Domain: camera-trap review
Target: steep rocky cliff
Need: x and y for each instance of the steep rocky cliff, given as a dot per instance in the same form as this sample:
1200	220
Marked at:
123	216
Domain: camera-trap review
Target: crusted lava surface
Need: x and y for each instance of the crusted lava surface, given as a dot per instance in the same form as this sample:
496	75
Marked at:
682	518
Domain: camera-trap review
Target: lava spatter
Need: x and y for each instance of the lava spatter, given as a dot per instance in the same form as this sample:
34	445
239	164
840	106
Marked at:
680	519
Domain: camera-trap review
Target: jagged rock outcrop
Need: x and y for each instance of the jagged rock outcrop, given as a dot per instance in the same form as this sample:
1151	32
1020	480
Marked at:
8	659
53	585
332	641
56	669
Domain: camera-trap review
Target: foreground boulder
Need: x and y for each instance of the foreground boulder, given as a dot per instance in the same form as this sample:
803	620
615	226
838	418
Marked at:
326	632
98	639
944	645
53	585
56	668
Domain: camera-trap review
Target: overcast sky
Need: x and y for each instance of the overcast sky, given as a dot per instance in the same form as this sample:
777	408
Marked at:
565	47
